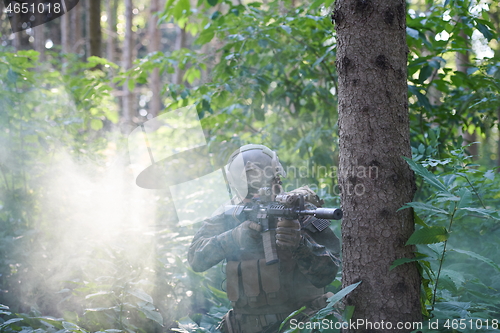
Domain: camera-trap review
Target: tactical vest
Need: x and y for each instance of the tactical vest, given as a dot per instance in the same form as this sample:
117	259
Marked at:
256	288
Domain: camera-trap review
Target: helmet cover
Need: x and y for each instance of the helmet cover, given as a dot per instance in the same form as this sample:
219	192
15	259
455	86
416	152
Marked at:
252	167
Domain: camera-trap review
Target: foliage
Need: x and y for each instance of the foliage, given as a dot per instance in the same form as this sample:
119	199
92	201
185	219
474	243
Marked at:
257	72
333	312
442	98
455	239
272	80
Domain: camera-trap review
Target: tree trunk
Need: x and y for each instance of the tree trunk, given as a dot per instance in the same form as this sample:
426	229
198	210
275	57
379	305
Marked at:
180	42
111	12
128	109
154	46
495	19
462	61
76	32
39	36
374	178
17	42
65	34
498	142
94	33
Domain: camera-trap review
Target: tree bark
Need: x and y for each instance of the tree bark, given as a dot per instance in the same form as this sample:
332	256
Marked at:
462	61
154	46
111	12
128	110
76	32
374	178
39	36
180	42
94	33
17	42
65	34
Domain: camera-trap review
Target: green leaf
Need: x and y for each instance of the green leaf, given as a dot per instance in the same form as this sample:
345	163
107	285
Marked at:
287	29
424	173
490	174
96	124
100	293
335	299
456	277
100	309
180	9
294	313
206	36
153	315
479	257
444	197
71	327
413	33
94	61
348	312
428	235
140	294
4	307
212	2
10	321
424	207
418	220
485	31
486	212
402	261
218	293
425	73
130	84
465	197
320	59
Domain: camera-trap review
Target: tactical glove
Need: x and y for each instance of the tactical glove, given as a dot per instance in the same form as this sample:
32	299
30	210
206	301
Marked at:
288	235
246	236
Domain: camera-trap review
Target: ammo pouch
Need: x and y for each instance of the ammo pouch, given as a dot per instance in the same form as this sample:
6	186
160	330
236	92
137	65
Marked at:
253	283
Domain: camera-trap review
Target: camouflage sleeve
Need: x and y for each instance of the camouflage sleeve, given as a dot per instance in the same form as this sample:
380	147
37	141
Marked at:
210	245
318	255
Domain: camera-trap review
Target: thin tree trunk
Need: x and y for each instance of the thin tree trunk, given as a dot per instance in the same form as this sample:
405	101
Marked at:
498	142
180	42
39	36
374	178
128	109
462	60
94	33
17	42
65	34
154	46
76	31
495	19
111	10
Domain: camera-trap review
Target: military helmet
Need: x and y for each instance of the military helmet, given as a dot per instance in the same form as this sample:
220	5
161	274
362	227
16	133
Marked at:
251	168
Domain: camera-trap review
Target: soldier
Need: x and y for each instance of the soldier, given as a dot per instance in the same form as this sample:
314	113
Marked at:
263	295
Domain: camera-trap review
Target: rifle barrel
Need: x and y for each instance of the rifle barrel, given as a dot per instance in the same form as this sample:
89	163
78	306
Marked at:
324	213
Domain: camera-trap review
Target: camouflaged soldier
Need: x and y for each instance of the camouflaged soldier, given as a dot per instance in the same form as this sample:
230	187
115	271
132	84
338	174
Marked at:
263	295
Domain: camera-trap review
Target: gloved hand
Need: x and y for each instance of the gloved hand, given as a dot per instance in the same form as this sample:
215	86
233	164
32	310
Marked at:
288	234
247	235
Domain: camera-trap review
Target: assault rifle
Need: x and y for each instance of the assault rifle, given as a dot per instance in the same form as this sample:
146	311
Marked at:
266	211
